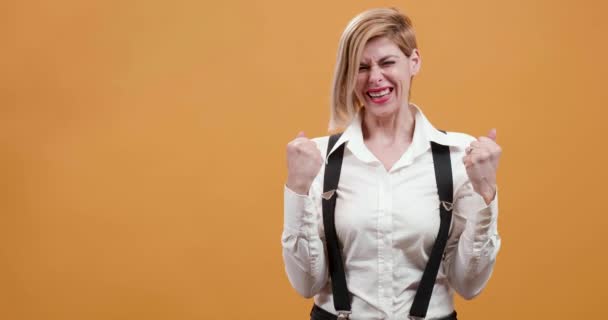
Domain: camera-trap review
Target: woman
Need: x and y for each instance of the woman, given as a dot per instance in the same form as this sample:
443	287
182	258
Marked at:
388	212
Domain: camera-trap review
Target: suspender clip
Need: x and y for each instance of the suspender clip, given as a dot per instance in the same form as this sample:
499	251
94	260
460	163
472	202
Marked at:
448	206
415	318
343	315
327	195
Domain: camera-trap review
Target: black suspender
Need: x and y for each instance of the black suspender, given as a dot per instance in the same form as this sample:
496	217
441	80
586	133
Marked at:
443	177
336	265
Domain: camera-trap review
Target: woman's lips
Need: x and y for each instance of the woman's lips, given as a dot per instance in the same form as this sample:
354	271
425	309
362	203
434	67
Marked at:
380	95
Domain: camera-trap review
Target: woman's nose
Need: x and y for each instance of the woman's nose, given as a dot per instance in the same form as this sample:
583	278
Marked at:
375	75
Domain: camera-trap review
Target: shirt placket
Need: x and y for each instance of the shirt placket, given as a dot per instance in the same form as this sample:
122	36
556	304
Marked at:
385	259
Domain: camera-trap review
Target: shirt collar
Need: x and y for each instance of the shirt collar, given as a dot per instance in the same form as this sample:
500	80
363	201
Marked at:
424	133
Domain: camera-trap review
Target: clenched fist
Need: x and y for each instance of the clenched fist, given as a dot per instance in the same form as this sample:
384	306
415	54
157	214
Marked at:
304	162
481	162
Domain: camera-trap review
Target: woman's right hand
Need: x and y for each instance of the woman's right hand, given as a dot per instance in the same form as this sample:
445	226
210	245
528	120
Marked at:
304	162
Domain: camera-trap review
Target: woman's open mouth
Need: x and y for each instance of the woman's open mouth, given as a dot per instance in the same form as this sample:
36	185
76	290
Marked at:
380	95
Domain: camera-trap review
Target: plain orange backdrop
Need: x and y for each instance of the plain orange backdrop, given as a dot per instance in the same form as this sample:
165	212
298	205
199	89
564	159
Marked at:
142	149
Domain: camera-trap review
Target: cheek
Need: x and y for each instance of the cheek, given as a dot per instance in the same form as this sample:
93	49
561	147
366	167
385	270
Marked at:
396	81
361	81
398	75
401	81
403	88
360	86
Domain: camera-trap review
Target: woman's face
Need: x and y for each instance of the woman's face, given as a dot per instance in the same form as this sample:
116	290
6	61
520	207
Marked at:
384	77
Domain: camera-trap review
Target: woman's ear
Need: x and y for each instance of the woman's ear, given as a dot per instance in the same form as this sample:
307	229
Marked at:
415	61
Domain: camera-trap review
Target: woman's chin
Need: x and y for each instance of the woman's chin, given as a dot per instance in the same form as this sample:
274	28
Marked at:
382	110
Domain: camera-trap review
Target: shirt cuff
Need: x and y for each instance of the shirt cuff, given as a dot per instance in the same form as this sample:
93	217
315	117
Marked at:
484	223
299	210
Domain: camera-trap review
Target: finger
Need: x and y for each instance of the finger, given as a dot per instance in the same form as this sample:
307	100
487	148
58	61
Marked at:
476	144
465	160
492	134
468	162
301	135
480	154
486	140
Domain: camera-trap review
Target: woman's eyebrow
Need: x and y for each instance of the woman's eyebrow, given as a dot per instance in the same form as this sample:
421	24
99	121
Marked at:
381	59
387	57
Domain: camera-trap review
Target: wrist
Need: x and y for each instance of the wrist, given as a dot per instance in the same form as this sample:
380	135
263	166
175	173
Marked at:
298	186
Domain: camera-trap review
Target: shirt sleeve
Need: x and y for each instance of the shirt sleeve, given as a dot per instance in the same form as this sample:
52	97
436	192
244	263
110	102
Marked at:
303	241
474	242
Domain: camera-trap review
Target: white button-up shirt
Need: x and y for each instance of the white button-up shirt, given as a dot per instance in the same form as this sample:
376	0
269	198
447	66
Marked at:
386	223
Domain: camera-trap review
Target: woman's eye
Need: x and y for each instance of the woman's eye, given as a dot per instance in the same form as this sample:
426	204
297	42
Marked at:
363	68
388	63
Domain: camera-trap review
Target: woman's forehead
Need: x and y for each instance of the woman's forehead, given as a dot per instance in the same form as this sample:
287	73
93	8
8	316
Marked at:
379	48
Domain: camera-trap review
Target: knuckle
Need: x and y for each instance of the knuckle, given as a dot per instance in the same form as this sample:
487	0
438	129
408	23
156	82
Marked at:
296	146
290	147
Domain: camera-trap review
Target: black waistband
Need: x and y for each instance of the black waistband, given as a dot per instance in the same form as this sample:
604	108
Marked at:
320	314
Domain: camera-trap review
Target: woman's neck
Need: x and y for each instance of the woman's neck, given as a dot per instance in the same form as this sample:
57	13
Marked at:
394	128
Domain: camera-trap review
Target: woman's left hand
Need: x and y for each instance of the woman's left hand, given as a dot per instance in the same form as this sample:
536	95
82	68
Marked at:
481	162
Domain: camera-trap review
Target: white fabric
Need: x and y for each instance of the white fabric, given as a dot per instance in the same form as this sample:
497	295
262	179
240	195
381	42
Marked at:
387	223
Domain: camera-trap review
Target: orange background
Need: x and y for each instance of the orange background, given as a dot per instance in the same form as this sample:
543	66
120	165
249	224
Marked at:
142	149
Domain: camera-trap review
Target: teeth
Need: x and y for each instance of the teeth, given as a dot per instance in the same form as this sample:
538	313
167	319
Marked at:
379	93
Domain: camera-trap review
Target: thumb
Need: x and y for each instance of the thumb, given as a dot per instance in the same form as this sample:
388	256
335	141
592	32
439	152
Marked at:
301	135
492	134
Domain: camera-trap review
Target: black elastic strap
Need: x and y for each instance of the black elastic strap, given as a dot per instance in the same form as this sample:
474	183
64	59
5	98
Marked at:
320	314
443	176
336	265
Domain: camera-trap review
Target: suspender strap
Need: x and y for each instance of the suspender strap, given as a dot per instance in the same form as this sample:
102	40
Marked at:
443	175
336	265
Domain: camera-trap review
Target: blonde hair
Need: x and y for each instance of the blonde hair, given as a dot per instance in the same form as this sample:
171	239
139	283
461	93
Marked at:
382	22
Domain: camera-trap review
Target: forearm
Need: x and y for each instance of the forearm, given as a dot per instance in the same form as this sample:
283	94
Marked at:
478	245
303	248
